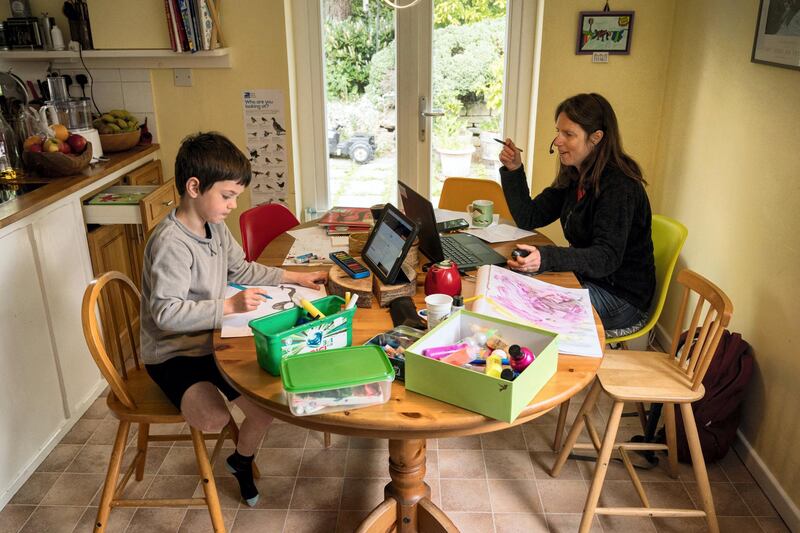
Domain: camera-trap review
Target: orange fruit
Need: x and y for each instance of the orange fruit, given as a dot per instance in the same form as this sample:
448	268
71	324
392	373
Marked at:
60	132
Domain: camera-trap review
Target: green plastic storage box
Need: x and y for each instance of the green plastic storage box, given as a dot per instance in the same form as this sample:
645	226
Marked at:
336	380
276	336
494	397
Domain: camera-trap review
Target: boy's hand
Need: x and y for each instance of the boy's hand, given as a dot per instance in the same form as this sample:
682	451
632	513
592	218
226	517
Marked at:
312	280
531	263
243	301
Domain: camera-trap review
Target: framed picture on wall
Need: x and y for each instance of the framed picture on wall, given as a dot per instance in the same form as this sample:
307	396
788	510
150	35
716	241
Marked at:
777	40
604	31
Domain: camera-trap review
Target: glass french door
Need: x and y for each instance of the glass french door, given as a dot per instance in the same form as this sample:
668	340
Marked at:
415	94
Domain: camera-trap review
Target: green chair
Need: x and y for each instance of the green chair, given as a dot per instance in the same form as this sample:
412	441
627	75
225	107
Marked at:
668	238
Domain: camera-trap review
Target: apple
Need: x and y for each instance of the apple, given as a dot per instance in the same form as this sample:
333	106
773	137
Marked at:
64	148
77	143
51	145
34	148
33	140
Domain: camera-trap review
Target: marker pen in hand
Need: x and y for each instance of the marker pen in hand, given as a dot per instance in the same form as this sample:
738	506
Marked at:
242	288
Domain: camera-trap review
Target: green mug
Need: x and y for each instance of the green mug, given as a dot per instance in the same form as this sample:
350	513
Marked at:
482	212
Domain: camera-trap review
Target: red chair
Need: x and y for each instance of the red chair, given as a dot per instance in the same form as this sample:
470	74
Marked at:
261	224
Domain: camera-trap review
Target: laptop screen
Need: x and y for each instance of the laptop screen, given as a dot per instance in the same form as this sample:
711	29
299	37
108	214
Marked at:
420	210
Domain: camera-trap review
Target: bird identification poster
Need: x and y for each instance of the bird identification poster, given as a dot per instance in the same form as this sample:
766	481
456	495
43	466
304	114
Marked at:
265	130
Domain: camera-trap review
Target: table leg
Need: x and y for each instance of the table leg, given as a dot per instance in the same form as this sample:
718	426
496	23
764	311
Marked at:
407	506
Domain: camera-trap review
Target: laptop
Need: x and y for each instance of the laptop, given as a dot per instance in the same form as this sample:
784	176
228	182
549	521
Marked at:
466	250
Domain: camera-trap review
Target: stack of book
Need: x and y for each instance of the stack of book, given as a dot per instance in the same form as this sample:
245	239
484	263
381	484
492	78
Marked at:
346	220
190	23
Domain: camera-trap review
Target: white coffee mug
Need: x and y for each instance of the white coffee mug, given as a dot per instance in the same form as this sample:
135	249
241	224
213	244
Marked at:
438	308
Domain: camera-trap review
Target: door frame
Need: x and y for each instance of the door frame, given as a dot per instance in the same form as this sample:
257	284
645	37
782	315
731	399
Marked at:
307	92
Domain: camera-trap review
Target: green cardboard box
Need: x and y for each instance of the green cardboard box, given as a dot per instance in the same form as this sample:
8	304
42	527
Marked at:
475	391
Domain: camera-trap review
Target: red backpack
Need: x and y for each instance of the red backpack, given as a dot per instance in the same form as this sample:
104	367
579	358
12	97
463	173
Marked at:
717	413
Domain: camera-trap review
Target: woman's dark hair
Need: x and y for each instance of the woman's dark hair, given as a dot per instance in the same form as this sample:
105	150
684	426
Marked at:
592	112
210	157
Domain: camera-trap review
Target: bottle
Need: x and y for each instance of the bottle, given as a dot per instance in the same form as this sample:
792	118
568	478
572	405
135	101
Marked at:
44	22
458	303
9	155
520	357
56	35
494	364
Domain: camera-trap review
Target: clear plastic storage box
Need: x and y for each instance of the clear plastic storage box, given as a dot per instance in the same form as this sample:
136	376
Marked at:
336	380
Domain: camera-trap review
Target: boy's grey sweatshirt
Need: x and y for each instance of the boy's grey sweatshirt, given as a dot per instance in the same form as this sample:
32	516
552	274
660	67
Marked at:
183	287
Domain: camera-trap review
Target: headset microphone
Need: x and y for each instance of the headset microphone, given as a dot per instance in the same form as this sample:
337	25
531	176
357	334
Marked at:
551	146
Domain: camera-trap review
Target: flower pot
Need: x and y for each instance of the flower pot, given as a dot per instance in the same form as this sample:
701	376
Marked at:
456	162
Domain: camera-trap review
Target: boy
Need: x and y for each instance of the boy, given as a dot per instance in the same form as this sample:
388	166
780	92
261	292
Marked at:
187	263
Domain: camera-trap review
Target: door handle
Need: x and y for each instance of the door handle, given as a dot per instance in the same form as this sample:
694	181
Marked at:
424	114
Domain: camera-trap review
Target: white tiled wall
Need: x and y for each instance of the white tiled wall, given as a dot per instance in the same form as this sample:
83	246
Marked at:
121	89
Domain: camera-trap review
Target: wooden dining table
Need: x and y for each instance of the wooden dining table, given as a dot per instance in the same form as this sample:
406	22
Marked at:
408	419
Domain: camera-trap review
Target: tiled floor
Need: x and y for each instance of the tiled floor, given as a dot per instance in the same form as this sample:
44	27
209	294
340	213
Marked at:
492	483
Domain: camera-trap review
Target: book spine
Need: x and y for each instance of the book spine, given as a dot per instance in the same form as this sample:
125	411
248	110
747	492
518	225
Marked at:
206	24
169	26
180	34
186	15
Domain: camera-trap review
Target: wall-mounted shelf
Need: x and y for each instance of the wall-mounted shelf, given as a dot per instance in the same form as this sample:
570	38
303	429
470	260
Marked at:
151	58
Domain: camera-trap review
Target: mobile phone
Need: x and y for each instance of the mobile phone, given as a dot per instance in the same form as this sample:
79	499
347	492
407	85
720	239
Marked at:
451	225
352	268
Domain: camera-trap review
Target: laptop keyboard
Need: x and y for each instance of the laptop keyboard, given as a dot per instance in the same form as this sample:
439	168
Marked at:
456	251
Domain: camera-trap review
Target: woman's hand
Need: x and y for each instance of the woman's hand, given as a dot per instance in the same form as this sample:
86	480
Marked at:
510	157
312	280
531	263
243	301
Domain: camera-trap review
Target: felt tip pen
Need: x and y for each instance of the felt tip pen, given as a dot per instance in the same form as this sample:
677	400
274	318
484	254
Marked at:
483	362
308	306
242	287
504	143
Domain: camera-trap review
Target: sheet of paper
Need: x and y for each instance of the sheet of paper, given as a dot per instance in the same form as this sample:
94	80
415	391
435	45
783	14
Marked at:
313	240
499	233
340	240
281	299
512	296
446	214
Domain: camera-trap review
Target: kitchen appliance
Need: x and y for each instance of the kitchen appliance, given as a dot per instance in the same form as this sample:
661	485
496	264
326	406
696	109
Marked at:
74	113
24	33
443	278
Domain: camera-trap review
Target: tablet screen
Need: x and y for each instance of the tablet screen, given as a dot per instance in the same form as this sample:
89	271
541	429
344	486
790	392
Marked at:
386	248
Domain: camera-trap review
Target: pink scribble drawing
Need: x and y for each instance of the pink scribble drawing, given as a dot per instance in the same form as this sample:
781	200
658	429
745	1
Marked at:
539	306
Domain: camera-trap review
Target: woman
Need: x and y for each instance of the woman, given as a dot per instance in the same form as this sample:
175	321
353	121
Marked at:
599	196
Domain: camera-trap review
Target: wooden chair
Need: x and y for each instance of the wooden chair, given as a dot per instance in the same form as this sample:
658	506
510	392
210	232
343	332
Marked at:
135	399
261	224
668	238
674	378
457	193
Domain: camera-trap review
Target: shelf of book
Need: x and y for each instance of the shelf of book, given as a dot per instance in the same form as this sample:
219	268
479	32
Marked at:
125	58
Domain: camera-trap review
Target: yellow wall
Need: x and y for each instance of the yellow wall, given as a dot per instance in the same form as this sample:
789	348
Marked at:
634	84
727	166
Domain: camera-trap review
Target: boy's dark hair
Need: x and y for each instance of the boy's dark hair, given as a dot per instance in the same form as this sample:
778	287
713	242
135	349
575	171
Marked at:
210	157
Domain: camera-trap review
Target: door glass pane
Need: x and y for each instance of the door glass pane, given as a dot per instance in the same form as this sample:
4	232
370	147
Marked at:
359	50
469	38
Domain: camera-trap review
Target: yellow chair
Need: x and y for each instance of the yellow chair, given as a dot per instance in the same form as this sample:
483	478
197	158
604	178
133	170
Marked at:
136	399
457	193
668	238
673	379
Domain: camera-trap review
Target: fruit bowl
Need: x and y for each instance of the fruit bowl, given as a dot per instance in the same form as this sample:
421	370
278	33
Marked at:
57	163
119	142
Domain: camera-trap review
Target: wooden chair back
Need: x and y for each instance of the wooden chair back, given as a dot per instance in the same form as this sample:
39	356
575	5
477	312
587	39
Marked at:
712	313
457	193
115	293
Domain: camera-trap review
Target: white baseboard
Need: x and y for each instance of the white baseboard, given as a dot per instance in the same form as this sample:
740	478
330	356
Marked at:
63	429
788	510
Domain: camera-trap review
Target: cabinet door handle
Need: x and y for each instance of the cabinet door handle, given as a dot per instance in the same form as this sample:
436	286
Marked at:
167	204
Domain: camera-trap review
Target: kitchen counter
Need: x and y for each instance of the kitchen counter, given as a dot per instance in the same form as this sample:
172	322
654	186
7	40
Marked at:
58	188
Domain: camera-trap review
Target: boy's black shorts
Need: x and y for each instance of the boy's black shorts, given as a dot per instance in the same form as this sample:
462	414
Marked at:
177	374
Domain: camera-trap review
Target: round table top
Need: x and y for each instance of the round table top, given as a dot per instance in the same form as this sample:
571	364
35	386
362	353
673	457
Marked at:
406	415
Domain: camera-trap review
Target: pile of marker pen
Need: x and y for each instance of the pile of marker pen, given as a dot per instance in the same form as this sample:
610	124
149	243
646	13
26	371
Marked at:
484	351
